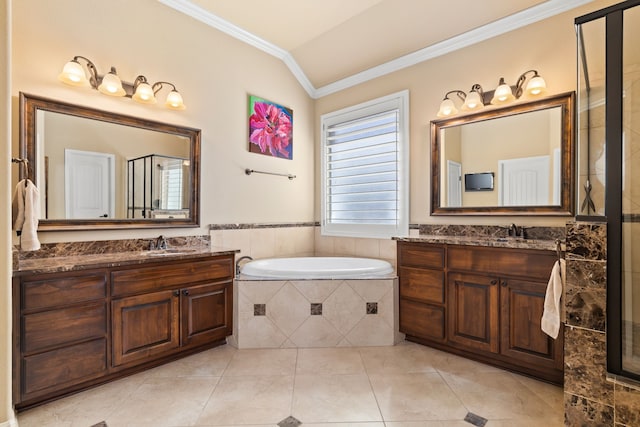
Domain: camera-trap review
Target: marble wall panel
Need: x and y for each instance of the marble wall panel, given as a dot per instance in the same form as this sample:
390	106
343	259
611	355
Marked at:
585	294
585	372
580	411
627	406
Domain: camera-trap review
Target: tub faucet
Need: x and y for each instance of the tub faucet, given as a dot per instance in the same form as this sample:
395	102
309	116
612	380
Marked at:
238	262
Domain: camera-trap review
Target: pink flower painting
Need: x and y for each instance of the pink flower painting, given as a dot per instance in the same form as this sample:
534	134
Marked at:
270	128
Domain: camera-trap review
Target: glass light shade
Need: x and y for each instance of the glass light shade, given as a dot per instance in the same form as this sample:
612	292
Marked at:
502	94
473	101
144	94
447	108
174	101
73	74
111	85
536	86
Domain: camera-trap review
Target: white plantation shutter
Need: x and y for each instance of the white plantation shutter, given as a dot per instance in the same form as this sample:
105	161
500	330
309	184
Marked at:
364	159
171	186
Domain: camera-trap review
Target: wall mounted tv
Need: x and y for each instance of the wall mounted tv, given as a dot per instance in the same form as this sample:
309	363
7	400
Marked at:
482	181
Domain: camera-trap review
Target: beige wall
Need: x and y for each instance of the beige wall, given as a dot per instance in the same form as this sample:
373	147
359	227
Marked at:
215	74
548	46
6	411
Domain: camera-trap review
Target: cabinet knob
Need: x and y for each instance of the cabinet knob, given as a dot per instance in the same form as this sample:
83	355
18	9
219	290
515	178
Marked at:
185	292
504	283
494	281
176	293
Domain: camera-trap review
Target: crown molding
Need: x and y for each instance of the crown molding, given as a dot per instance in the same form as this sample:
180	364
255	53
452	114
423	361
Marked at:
518	20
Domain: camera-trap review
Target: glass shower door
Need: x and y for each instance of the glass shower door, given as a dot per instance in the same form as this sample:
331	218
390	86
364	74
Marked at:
631	192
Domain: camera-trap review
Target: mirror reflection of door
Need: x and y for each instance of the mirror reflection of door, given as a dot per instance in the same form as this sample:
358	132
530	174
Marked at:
89	184
524	181
454	184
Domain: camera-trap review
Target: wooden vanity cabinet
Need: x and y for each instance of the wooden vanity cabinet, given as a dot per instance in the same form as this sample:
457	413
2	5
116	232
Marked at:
159	309
493	300
73	330
422	290
60	332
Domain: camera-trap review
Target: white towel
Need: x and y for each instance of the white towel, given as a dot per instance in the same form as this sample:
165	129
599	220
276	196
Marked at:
25	210
550	322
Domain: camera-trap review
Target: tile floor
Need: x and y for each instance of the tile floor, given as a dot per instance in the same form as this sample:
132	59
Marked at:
407	385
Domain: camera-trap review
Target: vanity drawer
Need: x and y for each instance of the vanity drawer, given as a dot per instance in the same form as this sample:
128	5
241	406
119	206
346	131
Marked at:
422	320
169	275
422	284
49	291
421	255
54	328
64	367
532	264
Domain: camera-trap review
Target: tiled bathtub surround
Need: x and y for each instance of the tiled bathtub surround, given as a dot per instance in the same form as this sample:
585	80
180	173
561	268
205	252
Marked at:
590	397
293	318
296	239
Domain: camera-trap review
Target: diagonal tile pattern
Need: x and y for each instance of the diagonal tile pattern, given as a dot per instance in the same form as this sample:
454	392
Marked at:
406	385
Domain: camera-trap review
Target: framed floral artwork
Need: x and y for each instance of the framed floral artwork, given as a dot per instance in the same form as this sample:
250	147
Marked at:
270	128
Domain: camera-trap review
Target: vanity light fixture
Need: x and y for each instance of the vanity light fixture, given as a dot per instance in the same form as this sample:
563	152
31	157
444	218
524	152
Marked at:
476	99
140	91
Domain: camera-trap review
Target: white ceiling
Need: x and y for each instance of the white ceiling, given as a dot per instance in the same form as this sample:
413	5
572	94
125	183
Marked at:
330	45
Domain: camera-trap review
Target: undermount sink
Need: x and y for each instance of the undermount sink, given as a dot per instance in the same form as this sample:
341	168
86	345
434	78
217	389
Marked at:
168	252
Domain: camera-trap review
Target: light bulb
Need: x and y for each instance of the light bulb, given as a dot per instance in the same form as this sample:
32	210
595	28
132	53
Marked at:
536	86
73	74
502	94
174	101
473	101
111	84
144	94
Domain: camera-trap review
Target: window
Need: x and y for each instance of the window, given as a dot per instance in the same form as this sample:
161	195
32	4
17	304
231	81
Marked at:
365	169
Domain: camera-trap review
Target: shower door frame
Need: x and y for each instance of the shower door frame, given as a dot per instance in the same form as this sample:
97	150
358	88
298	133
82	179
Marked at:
614	17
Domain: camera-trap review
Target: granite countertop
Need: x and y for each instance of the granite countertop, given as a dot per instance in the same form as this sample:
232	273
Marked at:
115	259
497	242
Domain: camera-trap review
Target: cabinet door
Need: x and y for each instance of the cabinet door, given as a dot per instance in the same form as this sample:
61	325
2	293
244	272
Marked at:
522	305
473	311
145	326
207	314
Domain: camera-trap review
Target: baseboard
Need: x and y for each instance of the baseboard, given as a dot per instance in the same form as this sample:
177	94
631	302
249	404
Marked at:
10	423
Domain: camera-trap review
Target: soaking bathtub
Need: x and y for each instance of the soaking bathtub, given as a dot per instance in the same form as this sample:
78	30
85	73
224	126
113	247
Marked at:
315	302
317	268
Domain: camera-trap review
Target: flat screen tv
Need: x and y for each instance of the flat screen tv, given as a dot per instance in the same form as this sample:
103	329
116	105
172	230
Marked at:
478	181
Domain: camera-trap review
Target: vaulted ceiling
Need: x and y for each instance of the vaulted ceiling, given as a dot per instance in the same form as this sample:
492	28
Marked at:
333	44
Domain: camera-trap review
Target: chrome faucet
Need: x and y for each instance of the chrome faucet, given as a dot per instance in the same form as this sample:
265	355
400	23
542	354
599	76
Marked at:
513	230
238	262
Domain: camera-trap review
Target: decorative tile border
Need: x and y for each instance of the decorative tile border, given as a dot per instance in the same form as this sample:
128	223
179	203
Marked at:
250	226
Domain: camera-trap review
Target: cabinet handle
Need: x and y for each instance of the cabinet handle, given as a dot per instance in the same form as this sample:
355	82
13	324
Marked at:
176	293
494	281
185	292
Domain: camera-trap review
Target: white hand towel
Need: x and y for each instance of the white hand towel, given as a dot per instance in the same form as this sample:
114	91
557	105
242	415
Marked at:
25	210
550	322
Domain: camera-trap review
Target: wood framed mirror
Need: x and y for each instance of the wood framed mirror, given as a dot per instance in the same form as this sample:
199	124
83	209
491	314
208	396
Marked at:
100	170
514	160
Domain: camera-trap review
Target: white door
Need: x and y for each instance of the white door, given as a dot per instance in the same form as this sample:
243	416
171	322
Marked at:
454	184
524	182
89	180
